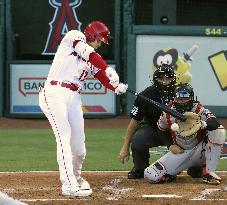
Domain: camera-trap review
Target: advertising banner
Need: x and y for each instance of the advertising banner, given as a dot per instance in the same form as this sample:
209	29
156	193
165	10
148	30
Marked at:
208	65
25	80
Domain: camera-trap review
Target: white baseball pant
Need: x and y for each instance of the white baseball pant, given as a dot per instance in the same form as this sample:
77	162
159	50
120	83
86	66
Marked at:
63	109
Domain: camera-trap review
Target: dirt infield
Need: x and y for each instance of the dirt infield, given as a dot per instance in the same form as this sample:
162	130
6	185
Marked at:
113	188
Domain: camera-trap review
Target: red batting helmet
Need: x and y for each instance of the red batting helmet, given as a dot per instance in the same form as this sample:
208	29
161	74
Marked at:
97	29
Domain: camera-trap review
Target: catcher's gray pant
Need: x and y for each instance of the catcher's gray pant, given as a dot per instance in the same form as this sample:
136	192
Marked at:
172	164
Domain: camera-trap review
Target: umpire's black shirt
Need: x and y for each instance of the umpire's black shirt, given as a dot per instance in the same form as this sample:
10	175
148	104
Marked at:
143	110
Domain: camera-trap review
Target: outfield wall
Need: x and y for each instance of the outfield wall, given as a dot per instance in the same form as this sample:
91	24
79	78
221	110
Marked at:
138	29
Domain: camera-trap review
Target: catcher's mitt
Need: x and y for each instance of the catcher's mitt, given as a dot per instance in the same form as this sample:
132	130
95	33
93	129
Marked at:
190	126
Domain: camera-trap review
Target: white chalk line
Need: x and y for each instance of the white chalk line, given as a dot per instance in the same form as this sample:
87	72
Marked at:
21	172
199	197
18	172
204	194
13	190
116	193
66	199
177	196
161	196
111	187
208	199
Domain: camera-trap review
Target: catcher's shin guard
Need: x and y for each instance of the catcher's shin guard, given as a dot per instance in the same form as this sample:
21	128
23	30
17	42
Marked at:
213	148
155	172
217	136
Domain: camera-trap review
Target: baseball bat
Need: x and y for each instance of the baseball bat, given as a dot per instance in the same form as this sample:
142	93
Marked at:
160	106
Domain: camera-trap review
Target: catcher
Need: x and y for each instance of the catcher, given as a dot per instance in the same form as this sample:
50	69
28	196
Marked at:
197	142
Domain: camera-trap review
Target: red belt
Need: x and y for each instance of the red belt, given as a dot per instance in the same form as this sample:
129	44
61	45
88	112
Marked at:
71	86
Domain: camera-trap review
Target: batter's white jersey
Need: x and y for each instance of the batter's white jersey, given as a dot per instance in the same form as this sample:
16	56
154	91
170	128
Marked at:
68	68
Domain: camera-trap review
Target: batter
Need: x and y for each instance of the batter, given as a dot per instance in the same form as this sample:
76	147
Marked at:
60	99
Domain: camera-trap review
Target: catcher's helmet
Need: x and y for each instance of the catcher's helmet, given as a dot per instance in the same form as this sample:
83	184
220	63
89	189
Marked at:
97	30
164	80
184	98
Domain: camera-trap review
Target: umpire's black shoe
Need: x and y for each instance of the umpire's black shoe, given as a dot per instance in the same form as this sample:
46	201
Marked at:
136	174
195	172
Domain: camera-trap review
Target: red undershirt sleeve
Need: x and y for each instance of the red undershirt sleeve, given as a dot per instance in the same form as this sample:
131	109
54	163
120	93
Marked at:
97	61
101	76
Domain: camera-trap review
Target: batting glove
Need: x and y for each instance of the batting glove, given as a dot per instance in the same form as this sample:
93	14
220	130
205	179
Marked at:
113	76
121	89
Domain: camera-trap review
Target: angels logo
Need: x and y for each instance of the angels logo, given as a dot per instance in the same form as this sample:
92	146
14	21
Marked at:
64	19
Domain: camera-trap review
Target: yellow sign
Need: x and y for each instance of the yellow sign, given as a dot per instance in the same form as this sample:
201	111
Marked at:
218	61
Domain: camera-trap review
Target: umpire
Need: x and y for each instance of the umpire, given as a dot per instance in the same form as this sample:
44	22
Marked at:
142	132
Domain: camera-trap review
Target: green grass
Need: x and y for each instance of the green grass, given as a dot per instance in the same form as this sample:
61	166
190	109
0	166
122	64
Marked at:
29	149
35	149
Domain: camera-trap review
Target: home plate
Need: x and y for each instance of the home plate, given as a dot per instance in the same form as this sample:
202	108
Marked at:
161	196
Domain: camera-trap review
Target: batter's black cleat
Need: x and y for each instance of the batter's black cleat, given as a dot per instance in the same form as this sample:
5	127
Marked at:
195	172
211	178
136	174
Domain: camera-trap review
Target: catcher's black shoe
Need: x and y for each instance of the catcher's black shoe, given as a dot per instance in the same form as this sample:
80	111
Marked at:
195	172
136	174
211	178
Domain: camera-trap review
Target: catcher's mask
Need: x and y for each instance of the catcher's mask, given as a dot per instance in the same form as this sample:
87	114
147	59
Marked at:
164	79
184	98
